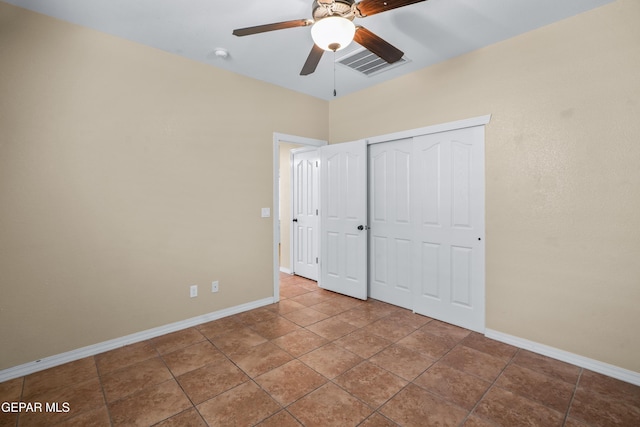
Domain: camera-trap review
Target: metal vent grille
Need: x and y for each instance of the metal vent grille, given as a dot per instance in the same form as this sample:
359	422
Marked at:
368	63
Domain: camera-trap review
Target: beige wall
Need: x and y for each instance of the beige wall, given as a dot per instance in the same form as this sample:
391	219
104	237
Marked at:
562	173
127	174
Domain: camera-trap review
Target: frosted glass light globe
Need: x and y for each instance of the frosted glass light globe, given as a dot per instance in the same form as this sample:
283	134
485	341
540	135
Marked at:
333	33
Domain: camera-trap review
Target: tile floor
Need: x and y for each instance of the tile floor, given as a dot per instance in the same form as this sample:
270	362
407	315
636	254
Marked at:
322	359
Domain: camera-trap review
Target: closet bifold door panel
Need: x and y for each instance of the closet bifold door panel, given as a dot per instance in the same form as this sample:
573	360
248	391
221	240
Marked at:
390	217
426	210
448	267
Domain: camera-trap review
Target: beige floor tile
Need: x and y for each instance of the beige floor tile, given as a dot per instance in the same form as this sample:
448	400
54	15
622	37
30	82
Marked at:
244	405
610	387
193	357
538	387
220	327
314	297
300	342
426	344
548	366
329	406
81	397
275	328
596	409
370	383
363	343
280	419
286	306
98	417
177	340
331	328
257	315
124	356
238	340
306	316
133	378
475	362
188	418
149	406
290	382
460	388
72	373
10	391
450	333
508	409
260	359
487	345
209	381
377	420
330	360
403	362
415	407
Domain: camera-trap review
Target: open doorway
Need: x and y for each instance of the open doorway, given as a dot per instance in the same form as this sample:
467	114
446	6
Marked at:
282	146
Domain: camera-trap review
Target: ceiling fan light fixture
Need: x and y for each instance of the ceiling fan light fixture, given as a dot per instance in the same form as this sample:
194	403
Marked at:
333	33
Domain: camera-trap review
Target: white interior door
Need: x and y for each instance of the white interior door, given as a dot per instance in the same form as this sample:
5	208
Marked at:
305	213
449	261
391	220
343	215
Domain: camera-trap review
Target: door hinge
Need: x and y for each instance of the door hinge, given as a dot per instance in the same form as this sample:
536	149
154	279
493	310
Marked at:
317	163
316	211
316	260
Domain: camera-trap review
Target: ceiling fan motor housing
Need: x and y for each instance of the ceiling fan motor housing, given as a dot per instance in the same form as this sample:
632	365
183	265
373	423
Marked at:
323	8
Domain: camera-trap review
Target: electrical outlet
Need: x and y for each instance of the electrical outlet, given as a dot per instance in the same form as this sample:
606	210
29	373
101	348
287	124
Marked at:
214	286
193	291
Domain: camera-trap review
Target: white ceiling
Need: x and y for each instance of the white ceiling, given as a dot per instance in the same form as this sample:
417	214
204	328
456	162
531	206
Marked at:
428	32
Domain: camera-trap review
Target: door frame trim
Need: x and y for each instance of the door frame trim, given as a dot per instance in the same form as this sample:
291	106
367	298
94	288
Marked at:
294	139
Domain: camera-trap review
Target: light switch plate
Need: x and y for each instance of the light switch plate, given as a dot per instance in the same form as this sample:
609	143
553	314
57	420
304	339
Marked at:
266	212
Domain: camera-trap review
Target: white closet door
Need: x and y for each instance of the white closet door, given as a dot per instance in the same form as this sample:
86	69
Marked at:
343	215
305	213
390	217
449	231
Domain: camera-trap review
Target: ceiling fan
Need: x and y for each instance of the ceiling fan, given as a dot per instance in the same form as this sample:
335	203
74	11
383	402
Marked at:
333	28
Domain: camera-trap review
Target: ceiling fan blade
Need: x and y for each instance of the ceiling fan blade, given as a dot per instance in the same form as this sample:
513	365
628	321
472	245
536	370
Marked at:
375	44
272	27
312	60
371	7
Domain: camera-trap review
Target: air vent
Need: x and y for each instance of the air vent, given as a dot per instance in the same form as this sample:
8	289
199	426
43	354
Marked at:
368	63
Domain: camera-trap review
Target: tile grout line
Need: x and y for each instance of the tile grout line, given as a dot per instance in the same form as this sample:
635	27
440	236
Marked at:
193	405
104	394
573	395
24	381
493	384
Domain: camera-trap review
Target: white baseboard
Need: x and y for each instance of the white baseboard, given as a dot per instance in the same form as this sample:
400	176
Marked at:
565	356
80	353
285	270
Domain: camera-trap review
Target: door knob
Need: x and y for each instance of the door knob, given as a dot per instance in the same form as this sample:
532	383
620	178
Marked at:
295	219
363	227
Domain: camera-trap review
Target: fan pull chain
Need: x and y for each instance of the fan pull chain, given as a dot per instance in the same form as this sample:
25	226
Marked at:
334	73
